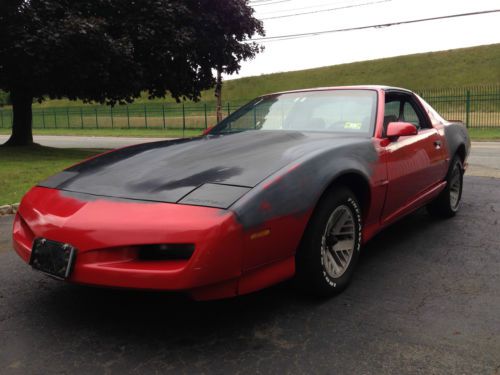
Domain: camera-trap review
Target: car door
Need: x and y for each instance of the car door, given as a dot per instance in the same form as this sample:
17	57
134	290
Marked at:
415	164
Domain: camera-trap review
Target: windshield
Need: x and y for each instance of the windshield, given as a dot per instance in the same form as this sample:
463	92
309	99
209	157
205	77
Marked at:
339	111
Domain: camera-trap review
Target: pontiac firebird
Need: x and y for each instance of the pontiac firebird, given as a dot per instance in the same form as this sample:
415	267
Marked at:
289	186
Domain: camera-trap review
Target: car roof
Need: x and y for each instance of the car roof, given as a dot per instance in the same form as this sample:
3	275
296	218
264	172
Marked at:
355	87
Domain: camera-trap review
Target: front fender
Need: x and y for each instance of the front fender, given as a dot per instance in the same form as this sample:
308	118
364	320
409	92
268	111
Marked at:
295	189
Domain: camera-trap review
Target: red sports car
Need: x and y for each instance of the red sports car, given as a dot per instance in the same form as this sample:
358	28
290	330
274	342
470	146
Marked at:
290	185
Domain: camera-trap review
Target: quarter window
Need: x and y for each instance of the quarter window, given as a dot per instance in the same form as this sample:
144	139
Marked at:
409	115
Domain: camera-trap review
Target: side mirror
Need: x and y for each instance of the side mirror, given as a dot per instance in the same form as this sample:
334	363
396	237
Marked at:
400	129
207	130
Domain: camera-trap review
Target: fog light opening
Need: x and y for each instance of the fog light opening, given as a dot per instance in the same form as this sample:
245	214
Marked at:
166	252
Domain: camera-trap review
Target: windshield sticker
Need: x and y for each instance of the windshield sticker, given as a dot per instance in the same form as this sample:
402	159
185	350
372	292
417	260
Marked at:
352	125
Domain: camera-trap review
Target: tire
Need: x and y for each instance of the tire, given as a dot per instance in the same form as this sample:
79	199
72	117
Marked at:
447	203
325	262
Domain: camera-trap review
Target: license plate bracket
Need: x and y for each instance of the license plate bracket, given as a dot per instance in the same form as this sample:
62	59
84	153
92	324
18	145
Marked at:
53	258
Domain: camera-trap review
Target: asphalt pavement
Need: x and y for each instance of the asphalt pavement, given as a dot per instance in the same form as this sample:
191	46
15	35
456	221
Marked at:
484	159
425	299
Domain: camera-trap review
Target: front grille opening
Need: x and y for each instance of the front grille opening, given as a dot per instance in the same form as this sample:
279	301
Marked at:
166	252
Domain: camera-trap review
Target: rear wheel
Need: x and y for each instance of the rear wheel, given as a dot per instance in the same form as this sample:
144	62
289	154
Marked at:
448	201
330	247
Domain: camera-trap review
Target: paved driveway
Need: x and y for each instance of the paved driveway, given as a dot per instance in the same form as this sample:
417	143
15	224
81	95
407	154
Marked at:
425	300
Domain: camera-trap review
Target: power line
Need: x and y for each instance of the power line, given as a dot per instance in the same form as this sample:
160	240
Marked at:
314	33
326	10
267	13
268	2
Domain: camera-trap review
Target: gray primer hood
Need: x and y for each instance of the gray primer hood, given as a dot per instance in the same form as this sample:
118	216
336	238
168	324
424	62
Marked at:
167	171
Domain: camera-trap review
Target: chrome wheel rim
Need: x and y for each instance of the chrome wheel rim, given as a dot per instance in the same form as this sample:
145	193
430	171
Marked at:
337	242
455	187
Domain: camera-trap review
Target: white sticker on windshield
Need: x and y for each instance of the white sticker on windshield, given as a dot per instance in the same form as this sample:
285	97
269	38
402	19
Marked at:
352	125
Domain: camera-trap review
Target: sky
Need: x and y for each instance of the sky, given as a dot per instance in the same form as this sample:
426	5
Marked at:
368	44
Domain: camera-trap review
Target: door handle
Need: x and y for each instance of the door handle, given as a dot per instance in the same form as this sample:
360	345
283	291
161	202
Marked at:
437	145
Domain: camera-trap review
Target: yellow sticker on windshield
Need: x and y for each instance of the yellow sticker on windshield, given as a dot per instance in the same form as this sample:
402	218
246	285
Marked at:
352	125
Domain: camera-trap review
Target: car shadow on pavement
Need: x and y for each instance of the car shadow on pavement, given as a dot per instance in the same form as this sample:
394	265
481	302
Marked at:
181	321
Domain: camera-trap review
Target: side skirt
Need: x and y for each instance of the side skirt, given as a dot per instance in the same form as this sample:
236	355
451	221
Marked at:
423	199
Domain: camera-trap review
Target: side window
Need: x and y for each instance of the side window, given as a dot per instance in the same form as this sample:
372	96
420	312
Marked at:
409	115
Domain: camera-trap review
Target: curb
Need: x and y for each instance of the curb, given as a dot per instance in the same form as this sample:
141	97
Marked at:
9	209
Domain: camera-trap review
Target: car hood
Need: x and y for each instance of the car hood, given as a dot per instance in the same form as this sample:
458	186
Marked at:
167	171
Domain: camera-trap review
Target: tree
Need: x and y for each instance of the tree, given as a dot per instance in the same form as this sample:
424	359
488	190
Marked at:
218	94
108	51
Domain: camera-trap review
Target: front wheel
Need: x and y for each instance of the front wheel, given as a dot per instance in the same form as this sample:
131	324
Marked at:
448	201
329	250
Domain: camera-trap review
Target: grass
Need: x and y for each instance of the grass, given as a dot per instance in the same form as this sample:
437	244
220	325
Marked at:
21	168
445	69
485	134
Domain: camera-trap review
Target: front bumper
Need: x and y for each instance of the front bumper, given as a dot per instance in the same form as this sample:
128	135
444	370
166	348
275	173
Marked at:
105	232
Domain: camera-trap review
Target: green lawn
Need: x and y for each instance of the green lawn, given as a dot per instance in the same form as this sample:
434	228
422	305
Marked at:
21	168
485	134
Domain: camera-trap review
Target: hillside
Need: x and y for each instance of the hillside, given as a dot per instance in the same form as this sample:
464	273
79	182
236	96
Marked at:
445	69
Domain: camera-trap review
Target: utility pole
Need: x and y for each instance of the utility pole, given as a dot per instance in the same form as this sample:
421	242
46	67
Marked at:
218	94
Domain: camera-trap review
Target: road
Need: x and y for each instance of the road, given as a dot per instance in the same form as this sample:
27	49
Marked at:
425	299
484	159
67	141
